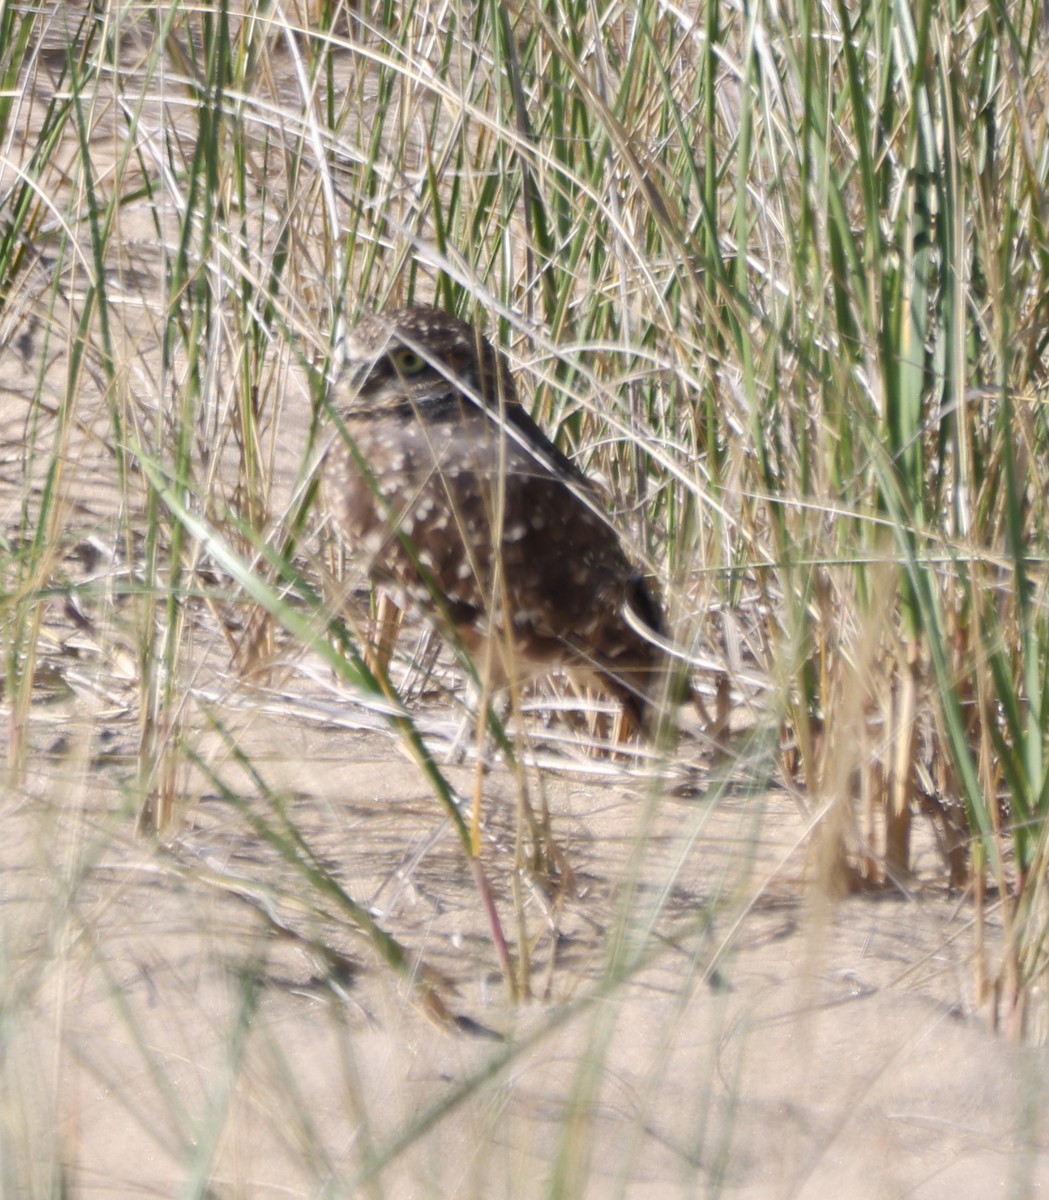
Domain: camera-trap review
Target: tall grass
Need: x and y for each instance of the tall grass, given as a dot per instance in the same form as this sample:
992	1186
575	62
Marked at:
776	276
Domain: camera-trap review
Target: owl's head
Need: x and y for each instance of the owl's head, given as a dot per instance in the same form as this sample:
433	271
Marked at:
422	361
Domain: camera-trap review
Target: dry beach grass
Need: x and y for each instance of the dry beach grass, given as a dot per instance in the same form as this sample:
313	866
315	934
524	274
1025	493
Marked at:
777	284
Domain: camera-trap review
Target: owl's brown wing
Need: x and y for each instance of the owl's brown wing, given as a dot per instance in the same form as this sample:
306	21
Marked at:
534	441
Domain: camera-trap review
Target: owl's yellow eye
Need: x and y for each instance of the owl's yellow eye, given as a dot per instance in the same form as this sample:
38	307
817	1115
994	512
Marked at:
407	362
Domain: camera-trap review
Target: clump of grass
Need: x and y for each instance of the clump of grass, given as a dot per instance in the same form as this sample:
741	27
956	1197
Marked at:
777	278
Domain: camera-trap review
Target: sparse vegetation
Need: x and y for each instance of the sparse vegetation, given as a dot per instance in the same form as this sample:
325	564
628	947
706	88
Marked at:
776	276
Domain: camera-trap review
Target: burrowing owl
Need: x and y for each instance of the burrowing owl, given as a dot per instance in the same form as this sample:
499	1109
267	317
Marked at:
465	508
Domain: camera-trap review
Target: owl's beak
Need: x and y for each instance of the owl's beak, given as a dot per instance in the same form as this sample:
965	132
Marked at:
357	374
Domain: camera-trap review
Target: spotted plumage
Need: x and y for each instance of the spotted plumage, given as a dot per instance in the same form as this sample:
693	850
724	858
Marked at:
463	507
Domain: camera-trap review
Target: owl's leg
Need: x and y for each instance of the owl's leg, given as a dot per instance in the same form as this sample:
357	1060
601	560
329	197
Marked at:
385	629
605	731
622	727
